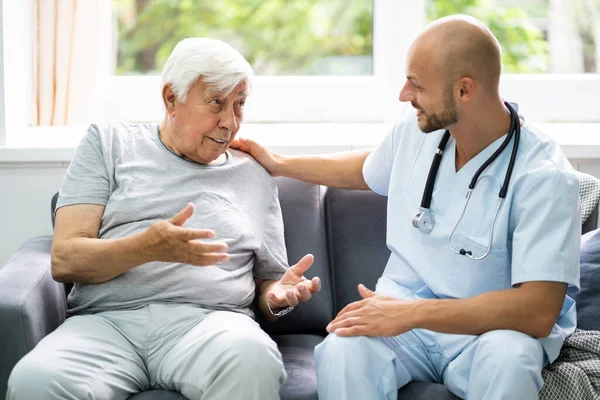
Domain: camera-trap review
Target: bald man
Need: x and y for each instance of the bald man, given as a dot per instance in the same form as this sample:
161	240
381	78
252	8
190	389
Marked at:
474	294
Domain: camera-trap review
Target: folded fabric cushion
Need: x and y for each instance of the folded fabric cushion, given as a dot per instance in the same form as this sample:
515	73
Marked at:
588	298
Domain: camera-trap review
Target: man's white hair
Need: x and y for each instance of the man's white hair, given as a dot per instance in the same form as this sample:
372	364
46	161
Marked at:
215	62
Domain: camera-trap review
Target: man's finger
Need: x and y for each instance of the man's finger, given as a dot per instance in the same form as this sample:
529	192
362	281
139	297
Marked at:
291	296
304	292
187	234
357	330
351	307
365	292
303	265
316	284
208	259
344	323
183	215
199	248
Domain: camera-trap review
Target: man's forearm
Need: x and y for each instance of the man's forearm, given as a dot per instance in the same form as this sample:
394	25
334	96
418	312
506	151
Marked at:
97	260
342	170
512	309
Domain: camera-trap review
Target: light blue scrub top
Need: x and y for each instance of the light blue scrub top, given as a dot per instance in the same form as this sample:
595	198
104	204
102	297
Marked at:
536	235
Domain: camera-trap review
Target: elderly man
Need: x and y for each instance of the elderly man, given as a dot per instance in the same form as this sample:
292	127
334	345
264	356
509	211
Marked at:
483	228
167	236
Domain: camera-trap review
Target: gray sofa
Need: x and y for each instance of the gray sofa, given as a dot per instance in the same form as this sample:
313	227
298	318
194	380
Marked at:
345	230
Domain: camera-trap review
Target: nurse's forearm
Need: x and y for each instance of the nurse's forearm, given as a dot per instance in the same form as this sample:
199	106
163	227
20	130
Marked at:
342	170
532	308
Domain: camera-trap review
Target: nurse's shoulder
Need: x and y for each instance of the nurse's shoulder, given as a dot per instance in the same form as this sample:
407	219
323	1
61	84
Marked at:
541	164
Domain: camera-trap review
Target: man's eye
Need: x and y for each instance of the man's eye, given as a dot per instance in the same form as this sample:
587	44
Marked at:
215	101
241	104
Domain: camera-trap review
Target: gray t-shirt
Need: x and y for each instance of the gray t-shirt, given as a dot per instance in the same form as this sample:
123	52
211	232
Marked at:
127	168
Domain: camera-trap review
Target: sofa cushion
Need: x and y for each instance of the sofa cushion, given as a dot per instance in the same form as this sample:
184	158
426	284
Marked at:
425	391
356	223
304	221
298	356
588	298
158	395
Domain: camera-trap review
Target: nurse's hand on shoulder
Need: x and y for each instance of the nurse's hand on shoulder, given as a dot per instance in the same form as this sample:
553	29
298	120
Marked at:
294	287
375	315
269	160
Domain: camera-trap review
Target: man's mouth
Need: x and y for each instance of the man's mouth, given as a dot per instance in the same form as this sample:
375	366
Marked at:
218	140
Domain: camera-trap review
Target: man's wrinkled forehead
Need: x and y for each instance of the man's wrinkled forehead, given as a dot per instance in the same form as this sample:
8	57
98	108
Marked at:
242	89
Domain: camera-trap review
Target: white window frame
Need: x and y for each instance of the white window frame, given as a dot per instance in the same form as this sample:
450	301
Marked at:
365	99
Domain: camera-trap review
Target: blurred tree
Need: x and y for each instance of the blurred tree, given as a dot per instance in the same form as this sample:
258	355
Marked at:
300	37
277	37
524	49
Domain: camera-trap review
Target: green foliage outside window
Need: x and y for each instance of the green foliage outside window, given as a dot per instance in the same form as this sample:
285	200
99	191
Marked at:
300	37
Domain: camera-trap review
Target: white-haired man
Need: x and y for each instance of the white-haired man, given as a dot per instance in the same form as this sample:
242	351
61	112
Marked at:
162	294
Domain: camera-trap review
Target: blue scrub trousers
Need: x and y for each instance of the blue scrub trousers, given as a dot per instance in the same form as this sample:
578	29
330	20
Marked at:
499	364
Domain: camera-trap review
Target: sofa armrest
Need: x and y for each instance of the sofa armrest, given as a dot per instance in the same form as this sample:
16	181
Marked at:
32	304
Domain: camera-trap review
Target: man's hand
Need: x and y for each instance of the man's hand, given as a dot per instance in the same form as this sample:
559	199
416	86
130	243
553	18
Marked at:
293	287
375	315
169	241
269	160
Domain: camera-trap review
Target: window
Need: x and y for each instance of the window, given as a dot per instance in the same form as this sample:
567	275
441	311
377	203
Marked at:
278	37
537	36
315	60
324	60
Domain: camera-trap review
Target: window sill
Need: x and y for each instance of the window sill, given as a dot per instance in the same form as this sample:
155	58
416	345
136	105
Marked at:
57	144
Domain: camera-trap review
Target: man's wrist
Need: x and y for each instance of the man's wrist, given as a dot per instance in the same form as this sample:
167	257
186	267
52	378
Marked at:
418	313
280	165
278	312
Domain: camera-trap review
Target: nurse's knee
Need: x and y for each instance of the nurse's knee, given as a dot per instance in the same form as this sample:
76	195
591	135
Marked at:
350	350
513	350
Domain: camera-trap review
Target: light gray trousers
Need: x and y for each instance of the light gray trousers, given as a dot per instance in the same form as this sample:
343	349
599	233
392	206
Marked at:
202	354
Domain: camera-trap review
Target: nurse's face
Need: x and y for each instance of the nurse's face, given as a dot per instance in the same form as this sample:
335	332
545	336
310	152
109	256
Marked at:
429	92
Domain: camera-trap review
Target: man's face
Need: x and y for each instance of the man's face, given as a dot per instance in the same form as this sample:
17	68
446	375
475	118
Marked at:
430	93
206	124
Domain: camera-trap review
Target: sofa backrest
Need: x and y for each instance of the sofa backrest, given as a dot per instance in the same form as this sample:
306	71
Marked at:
305	232
356	229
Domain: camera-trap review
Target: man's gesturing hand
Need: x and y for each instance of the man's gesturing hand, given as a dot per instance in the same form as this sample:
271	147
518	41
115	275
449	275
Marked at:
169	241
293	287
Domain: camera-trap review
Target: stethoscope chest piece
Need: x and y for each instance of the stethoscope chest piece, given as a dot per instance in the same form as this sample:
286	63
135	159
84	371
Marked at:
424	221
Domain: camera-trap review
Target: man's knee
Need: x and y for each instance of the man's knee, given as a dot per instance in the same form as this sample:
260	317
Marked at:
31	379
253	356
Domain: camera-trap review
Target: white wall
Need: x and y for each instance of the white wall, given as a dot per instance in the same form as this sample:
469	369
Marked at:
25	193
26	190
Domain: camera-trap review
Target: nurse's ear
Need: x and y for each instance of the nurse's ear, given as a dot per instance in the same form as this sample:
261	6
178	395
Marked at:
466	88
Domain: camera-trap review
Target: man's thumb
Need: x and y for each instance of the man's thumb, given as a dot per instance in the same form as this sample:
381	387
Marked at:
183	215
304	264
364	292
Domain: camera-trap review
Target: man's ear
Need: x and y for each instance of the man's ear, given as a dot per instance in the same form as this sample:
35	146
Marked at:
466	87
169	98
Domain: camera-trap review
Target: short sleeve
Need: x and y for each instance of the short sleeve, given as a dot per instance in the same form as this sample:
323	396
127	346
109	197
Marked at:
547	230
271	259
86	180
377	168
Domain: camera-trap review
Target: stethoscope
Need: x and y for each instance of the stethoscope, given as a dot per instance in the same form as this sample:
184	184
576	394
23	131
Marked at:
424	220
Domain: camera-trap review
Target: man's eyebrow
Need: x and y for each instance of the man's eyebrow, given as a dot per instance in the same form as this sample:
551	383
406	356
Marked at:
243	93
